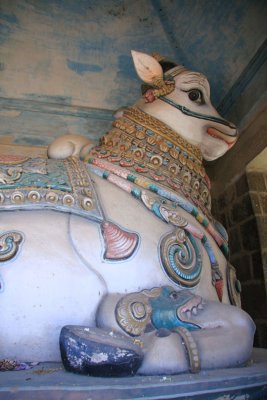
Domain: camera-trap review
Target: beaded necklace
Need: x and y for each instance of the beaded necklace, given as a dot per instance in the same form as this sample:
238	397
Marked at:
148	147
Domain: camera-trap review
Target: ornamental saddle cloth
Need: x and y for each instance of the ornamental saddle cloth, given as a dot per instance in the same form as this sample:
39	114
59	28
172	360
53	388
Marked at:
38	183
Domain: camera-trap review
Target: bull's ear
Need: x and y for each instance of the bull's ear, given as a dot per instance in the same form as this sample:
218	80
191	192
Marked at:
147	67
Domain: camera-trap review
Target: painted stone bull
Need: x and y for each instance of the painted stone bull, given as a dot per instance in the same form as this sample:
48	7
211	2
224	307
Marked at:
120	249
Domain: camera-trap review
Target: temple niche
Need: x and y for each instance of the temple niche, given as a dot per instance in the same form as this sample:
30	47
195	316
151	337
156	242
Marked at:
66	69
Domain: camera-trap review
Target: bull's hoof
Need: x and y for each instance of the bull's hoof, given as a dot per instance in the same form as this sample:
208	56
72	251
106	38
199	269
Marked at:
98	352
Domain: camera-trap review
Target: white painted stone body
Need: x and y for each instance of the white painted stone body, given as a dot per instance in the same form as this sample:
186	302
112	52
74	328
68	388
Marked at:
59	275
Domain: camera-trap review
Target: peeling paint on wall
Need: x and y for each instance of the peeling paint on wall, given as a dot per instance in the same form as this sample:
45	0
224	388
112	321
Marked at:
77	50
8	24
82	68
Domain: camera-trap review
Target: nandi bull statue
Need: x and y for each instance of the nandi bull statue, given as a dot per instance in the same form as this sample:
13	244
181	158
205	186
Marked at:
113	248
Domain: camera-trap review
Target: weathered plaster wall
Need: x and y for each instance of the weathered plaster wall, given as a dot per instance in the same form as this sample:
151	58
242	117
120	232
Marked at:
76	52
66	64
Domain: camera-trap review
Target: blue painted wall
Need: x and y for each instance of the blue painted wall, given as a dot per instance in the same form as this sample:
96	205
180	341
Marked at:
59	58
217	36
75	51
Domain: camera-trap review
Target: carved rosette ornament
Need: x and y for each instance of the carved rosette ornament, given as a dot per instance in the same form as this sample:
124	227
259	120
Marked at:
133	311
181	258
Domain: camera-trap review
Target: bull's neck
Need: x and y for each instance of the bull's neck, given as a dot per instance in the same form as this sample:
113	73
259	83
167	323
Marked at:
143	144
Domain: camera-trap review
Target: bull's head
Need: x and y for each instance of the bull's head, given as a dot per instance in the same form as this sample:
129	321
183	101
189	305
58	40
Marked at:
181	99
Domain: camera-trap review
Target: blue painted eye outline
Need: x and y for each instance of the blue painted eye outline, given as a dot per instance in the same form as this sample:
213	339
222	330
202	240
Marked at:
195	95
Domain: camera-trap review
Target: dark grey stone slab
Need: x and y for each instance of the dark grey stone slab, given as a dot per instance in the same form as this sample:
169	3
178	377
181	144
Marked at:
93	351
49	381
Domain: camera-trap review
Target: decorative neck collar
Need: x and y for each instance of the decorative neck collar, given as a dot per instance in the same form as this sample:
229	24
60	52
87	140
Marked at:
145	145
160	128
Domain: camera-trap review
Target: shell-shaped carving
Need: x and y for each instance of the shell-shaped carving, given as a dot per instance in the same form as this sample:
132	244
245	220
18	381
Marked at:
130	129
120	244
151	140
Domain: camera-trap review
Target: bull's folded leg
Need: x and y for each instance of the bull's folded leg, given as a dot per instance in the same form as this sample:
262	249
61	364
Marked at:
223	347
178	330
225	340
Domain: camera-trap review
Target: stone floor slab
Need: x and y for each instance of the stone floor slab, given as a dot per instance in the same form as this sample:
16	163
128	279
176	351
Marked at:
49	381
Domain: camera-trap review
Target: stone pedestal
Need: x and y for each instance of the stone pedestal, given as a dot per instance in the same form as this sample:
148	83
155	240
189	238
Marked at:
51	381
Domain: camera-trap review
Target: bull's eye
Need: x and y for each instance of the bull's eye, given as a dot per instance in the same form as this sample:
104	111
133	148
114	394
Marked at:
196	96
